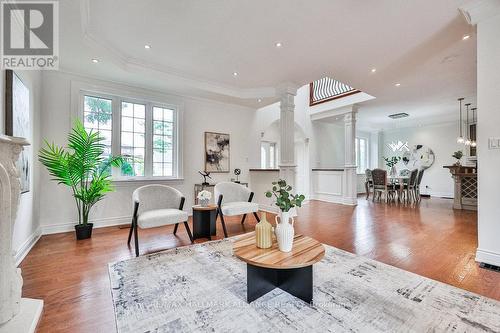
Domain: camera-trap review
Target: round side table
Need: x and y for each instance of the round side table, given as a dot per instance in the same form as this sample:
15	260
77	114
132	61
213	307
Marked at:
204	221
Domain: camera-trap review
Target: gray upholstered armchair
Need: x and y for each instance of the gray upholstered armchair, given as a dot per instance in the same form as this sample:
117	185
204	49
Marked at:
154	206
234	199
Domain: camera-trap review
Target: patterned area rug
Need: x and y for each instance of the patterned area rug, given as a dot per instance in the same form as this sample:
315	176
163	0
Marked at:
202	288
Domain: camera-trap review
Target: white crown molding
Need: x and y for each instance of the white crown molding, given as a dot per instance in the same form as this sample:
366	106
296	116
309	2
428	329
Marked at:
134	65
476	11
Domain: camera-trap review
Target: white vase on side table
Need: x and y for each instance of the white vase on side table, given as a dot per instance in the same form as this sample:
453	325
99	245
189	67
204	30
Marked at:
284	231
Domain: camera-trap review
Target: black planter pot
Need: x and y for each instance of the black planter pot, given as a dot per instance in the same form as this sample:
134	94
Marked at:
83	231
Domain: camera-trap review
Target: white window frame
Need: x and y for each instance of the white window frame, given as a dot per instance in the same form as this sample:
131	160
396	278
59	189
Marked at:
367	156
118	95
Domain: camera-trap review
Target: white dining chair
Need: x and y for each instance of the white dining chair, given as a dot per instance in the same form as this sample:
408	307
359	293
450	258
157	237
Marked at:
154	206
234	199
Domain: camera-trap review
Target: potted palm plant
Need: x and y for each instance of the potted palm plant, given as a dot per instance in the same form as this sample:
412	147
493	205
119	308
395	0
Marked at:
84	168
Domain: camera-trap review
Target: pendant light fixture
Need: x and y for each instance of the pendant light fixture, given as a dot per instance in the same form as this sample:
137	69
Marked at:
460	138
467	138
473	142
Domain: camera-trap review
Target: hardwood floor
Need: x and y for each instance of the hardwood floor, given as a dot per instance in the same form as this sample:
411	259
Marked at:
432	240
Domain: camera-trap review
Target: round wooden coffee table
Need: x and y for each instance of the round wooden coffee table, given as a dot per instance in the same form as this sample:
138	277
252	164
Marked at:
270	268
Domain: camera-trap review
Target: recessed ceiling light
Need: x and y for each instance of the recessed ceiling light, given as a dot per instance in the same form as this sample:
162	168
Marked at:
278	44
374	70
397	84
235	73
259	100
147	46
465	37
95	61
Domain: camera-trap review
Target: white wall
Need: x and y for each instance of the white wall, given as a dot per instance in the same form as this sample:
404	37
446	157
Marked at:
58	212
488	92
441	139
26	227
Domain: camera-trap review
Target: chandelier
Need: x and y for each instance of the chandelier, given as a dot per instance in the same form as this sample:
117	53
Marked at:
466	140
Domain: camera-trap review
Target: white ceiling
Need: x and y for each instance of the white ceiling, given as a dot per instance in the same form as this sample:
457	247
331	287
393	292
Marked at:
197	45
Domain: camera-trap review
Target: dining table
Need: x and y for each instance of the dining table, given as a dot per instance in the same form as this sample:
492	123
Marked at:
398	181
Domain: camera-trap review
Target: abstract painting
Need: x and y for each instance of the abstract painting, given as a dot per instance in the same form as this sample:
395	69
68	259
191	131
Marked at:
17	122
216	152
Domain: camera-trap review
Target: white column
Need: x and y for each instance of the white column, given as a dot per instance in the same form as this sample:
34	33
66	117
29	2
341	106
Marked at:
349	189
16	314
287	163
486	14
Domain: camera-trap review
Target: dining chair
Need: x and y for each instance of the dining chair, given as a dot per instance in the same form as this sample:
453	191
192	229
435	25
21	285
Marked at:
380	185
410	186
419	180
234	199
368	182
154	206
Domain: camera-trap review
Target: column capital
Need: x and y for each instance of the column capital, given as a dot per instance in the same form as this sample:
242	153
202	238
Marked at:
286	88
476	11
350	117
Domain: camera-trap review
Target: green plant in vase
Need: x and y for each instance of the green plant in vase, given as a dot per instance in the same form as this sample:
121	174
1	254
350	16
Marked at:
84	168
391	164
458	156
285	200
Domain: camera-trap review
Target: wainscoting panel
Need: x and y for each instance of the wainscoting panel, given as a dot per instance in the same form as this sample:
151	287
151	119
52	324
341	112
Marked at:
327	186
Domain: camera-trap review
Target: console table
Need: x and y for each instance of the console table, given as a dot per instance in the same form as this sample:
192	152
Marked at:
465	178
210	188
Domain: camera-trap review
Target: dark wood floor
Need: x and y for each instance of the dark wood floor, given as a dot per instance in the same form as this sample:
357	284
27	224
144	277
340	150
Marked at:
432	240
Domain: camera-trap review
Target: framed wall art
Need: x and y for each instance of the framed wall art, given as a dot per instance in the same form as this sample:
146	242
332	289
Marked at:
217	147
17	121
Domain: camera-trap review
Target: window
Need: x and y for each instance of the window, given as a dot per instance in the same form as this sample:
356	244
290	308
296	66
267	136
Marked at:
163	141
97	116
361	155
142	131
268	155
133	137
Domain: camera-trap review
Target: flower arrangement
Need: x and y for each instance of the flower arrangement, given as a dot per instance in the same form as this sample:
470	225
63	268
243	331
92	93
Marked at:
204	197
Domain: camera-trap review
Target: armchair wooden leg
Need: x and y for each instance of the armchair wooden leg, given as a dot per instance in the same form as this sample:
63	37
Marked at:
188	231
175	228
223	224
256	216
130	233
367	191
136	240
243	218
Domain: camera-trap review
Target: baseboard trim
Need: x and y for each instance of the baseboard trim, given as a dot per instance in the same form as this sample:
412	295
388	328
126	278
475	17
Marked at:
488	257
328	198
26	247
98	223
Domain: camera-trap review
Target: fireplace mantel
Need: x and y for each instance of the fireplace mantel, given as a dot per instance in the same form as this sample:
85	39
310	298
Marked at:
16	314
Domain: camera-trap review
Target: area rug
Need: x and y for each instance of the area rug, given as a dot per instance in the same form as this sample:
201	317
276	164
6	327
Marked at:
202	288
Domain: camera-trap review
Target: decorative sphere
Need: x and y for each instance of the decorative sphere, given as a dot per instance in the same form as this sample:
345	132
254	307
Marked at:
237	171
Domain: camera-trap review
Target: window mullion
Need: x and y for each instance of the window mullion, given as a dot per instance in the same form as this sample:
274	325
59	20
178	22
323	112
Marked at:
115	132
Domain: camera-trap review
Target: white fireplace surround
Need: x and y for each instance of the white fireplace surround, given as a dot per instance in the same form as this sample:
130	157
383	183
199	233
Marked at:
16	314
